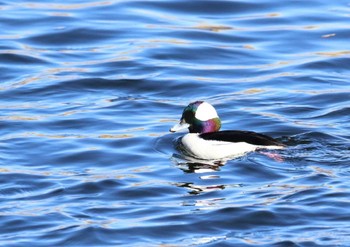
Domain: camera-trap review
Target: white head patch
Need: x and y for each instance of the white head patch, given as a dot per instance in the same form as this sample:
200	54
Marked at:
205	111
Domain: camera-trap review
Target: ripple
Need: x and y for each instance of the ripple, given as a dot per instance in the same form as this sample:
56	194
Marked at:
69	37
20	59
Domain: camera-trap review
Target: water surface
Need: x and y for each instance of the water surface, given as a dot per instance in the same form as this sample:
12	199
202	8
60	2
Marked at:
89	90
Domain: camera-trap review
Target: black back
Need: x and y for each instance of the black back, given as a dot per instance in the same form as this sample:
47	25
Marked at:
241	136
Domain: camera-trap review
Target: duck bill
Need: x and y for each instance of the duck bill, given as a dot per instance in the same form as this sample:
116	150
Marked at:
179	126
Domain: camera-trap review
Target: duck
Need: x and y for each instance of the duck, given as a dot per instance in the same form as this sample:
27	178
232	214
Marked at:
204	140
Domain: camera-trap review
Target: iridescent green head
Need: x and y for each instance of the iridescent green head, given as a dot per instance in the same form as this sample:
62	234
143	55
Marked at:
199	117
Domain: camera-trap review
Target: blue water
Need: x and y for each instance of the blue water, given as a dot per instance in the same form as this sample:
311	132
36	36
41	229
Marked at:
89	90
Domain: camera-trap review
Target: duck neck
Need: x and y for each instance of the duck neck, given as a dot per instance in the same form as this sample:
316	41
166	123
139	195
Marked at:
211	125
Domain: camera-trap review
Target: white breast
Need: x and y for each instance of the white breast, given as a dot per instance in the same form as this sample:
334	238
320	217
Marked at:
211	150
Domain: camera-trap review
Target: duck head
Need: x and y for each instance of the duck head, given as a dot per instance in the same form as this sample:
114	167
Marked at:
198	117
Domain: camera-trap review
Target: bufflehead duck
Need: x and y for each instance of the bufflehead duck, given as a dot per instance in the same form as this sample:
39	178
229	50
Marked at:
205	141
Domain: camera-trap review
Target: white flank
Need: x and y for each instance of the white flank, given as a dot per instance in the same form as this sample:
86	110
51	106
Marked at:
214	150
205	111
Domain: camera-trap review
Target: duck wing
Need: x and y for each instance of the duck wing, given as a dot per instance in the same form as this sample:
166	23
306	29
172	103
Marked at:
241	136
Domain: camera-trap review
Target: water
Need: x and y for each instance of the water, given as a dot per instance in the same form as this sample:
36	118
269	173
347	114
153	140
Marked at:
89	90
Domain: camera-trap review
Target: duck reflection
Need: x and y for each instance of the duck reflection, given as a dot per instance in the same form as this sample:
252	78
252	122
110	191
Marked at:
195	167
191	165
199	189
203	167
